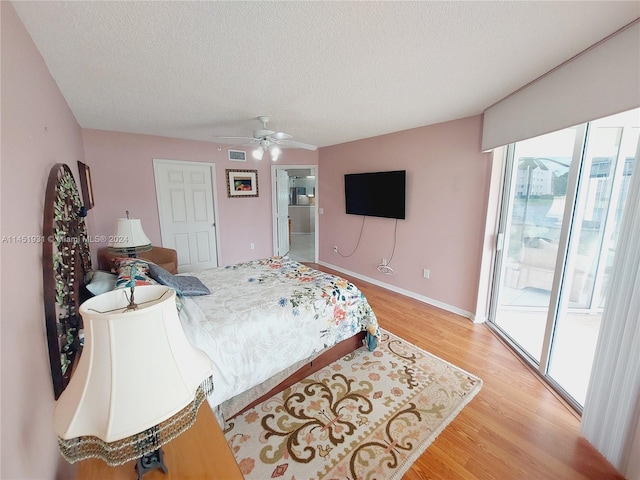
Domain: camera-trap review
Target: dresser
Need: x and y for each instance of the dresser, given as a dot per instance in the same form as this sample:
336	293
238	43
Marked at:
199	453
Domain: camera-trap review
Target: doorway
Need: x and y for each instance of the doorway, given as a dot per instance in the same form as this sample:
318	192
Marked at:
563	199
301	211
187	210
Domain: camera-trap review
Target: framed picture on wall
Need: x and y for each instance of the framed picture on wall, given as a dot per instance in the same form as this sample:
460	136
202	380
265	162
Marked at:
242	183
85	185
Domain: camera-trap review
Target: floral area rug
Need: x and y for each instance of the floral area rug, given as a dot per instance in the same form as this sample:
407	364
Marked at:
369	415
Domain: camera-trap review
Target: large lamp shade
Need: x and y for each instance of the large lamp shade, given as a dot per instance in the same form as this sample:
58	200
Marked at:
138	377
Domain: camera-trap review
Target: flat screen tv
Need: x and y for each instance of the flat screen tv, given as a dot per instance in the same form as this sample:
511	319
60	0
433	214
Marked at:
376	194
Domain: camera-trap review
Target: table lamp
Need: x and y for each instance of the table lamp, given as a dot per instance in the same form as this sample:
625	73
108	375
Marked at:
129	238
138	383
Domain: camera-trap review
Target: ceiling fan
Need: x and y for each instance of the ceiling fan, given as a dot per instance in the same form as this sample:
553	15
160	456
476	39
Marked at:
268	140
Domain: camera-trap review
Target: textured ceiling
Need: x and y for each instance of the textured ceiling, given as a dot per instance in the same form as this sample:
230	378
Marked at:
326	72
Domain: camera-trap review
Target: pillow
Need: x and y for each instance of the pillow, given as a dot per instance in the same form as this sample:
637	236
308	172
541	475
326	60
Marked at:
185	285
142	277
101	282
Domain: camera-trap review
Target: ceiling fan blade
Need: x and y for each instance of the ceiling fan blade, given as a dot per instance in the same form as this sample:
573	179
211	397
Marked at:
280	135
258	134
237	145
229	137
292	144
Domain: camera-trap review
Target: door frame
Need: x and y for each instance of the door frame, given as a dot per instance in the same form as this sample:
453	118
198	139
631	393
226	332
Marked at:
558	300
274	200
214	196
278	240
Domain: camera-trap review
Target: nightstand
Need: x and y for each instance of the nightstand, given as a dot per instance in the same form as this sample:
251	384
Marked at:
199	453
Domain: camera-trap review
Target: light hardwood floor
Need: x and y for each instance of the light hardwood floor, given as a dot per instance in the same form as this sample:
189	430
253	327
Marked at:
515	428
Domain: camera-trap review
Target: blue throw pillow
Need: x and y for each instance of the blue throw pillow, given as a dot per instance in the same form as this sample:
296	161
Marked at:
187	286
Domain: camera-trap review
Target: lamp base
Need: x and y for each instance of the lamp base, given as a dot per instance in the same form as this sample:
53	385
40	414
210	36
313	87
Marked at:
151	461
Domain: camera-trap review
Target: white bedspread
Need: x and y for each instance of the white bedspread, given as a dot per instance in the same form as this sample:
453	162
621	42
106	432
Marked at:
263	316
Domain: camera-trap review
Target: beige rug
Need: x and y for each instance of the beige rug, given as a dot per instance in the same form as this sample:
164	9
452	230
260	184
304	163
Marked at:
369	415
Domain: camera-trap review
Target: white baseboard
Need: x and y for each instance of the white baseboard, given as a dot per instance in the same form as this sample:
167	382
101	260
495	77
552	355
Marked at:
478	319
408	293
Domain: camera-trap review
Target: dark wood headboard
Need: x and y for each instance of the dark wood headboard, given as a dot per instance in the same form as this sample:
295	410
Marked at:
65	261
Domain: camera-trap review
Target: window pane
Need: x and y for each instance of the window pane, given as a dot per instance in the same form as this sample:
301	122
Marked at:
540	174
602	191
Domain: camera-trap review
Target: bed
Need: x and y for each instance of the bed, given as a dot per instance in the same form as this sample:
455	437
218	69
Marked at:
267	319
265	323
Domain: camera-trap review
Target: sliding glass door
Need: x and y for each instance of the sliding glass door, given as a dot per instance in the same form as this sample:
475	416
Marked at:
563	199
604	178
539	170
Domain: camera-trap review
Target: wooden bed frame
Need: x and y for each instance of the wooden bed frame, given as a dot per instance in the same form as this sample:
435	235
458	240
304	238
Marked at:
326	358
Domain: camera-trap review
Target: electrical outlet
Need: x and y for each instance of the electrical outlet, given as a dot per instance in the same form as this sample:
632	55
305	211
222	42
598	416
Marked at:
253	245
335	249
384	261
426	273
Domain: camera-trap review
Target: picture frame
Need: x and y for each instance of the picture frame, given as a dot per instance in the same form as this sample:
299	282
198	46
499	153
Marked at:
242	183
85	185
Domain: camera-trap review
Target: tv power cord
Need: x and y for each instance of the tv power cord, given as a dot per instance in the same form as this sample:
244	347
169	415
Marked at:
385	268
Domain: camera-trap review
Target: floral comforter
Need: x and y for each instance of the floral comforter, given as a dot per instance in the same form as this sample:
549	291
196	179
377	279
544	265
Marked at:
265	315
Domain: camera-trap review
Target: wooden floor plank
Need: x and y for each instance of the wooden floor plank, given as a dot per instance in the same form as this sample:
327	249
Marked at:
515	428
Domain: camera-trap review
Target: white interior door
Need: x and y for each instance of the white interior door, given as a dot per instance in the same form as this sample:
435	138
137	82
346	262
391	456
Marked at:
282	212
185	193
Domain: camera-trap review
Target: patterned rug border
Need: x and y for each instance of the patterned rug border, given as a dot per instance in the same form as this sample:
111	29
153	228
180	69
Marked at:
406	465
409	348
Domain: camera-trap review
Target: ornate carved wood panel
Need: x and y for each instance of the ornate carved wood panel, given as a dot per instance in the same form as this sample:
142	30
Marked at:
65	260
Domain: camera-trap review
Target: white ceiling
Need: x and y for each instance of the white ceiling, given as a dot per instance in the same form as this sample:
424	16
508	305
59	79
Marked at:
326	72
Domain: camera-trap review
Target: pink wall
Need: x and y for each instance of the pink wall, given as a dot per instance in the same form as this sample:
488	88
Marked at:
122	171
38	131
447	190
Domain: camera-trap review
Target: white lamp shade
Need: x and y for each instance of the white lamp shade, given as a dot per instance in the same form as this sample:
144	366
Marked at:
136	370
128	236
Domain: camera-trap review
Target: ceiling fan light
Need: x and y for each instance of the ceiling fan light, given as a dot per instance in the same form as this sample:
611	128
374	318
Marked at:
257	153
275	153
